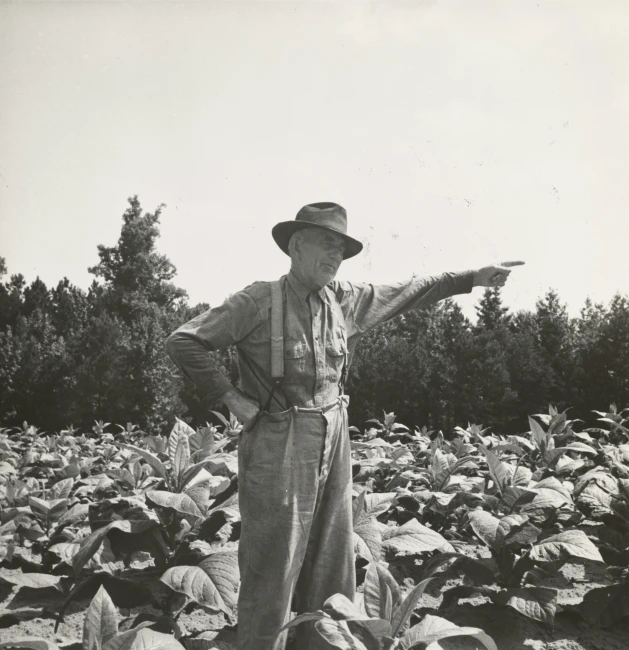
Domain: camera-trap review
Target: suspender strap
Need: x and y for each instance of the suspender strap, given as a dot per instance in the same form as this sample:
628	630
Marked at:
277	339
277	333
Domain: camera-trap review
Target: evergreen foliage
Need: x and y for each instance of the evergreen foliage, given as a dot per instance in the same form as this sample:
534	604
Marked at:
69	356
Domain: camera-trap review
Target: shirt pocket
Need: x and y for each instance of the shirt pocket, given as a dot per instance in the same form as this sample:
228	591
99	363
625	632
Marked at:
336	354
294	358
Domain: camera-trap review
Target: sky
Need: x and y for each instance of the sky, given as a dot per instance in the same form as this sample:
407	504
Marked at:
456	135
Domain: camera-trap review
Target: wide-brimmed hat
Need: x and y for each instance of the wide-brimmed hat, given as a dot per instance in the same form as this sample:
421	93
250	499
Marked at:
330	216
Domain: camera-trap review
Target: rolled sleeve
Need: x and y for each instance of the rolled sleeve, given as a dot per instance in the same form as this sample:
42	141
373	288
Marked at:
191	345
374	304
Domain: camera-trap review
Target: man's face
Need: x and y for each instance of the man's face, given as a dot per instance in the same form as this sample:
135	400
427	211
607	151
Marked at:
318	256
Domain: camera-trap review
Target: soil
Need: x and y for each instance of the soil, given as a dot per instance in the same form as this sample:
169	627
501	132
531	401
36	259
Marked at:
31	613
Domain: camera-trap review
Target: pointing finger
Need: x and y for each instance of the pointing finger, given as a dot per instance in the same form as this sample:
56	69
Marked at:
508	264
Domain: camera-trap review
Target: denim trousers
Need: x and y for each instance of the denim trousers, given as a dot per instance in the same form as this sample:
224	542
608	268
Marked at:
296	540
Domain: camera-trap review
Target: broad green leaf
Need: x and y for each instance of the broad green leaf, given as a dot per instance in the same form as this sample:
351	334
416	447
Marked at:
514	498
50	511
148	639
337	633
29	643
519	476
485	526
435	628
181	431
200	495
341	608
303	618
213	583
377	503
401	456
454	465
124	640
570	543
78	512
122	475
370	631
403	613
181	460
497	470
224	464
387	610
32	580
522	442
101	621
92	542
62	489
441	468
222	418
581	448
544	501
557	423
198	475
537	603
378	581
593	492
551	456
567	466
368	532
152	460
358	507
476	571
431	566
67	550
201	444
538	435
520	532
180	502
136	470
6	469
414	538
552	483
512	527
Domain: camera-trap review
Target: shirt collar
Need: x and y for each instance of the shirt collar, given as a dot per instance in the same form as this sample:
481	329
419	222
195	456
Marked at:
303	291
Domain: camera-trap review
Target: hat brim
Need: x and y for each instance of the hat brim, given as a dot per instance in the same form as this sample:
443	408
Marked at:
282	232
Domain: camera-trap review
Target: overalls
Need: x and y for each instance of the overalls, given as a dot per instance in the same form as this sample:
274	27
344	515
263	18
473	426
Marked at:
295	492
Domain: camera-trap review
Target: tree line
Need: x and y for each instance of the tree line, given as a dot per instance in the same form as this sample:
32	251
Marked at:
72	357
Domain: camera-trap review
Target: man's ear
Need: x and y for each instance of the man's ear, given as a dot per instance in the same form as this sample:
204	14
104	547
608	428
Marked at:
294	244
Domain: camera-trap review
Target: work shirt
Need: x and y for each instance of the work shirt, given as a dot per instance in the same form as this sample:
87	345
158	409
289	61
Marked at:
321	330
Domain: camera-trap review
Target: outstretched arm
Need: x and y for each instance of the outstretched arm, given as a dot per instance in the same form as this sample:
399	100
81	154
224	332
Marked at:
367	305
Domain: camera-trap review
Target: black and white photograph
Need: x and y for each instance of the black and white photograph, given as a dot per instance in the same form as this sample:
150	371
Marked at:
314	325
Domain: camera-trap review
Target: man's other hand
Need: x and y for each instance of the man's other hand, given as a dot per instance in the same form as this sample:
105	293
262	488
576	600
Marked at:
494	276
245	409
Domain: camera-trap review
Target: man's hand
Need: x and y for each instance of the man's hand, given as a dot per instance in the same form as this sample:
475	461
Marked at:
494	276
242	407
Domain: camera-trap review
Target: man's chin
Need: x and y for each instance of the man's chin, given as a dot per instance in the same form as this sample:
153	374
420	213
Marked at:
325	279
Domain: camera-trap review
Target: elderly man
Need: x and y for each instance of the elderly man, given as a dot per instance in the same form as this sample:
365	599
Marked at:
294	472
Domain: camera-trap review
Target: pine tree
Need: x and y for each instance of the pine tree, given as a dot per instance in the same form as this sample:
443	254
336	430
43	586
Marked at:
490	311
555	336
133	313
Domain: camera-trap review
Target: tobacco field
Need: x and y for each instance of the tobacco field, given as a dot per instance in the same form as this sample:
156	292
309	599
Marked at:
112	538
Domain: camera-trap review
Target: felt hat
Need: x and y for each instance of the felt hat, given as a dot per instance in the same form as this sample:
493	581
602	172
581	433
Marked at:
330	216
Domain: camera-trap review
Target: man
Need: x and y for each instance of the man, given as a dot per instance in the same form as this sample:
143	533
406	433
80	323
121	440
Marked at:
294	474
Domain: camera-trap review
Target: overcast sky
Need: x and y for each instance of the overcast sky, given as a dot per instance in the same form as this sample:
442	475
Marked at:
456	134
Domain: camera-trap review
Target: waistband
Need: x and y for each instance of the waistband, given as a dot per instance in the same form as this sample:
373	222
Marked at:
341	401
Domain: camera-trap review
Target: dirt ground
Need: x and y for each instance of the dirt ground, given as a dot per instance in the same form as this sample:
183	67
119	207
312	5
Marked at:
31	613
